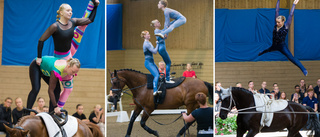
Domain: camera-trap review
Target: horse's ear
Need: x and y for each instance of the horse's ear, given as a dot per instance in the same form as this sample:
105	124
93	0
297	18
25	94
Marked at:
8	128
115	73
25	133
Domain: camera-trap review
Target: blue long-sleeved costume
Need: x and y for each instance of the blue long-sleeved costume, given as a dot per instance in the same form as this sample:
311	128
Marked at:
179	20
163	53
148	50
278	40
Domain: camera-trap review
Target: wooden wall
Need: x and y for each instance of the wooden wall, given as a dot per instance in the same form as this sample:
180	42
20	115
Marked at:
284	73
89	85
253	4
197	33
134	58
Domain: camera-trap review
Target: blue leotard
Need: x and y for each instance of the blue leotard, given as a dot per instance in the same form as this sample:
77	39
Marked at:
179	20
148	50
163	53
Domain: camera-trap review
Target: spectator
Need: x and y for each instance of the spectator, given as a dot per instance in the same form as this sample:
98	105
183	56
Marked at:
45	108
303	87
114	100
96	114
251	87
18	111
203	116
276	92
263	89
218	90
79	113
310	100
189	72
283	96
316	88
40	107
162	68
217	104
239	85
295	98
311	87
97	117
5	115
300	95
275	85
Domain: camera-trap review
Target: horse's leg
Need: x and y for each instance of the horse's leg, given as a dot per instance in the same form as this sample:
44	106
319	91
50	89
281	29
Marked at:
240	132
252	133
293	133
135	114
184	128
144	126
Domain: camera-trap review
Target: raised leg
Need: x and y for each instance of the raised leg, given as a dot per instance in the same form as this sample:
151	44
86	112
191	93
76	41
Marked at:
145	127
136	112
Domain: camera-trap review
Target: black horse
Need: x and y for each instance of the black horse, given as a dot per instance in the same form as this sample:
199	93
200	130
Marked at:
242	98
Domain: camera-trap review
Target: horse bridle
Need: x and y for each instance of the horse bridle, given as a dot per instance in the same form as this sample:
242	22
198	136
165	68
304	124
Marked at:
231	101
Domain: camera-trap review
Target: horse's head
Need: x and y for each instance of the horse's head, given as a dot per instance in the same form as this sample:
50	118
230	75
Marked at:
16	131
227	102
117	84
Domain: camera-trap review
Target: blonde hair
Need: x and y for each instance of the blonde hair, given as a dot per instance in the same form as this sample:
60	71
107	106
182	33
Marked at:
143	33
282	18
164	3
60	9
153	22
73	61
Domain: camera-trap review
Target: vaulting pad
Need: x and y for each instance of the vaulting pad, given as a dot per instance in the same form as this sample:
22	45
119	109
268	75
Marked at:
265	104
71	127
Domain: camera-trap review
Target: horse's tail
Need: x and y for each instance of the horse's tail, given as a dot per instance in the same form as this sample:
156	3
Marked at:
210	90
95	130
313	123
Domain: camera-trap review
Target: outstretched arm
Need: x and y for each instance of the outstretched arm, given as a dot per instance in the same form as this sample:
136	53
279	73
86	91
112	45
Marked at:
291	14
43	38
277	9
90	19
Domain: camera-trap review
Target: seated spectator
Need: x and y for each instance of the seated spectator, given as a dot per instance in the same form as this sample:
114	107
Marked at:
216	104
263	89
18	111
97	117
218	90
239	85
283	96
113	100
79	113
203	116
40	108
300	95
317	89
303	87
310	86
189	72
5	113
96	114
296	97
275	85
251	87
310	100
162	68
276	92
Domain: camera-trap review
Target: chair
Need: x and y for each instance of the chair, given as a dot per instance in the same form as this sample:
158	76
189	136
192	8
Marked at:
109	104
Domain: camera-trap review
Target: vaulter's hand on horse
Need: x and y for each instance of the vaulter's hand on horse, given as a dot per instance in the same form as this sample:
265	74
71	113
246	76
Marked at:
57	110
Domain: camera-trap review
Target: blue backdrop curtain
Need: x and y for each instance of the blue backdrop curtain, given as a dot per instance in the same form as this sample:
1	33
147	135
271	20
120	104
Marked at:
26	20
114	27
241	34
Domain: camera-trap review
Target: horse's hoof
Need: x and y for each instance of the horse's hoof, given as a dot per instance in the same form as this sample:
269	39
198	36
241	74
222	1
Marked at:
127	135
156	133
178	135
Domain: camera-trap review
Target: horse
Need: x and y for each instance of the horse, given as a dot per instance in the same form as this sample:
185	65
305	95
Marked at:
136	81
33	126
242	99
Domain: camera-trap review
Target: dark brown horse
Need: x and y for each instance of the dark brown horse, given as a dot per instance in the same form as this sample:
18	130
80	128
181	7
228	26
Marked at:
33	126
242	98
181	95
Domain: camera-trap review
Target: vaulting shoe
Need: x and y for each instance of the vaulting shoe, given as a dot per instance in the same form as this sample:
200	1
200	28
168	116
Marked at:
159	92
160	35
169	81
305	72
155	93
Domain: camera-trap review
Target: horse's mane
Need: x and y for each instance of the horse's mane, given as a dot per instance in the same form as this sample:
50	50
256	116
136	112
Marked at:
132	70
243	90
24	118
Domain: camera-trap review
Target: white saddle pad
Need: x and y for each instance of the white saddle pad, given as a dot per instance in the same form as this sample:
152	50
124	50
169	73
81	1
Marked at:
268	105
70	127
